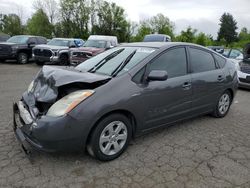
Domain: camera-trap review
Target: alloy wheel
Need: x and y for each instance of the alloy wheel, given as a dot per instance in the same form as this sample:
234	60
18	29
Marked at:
113	138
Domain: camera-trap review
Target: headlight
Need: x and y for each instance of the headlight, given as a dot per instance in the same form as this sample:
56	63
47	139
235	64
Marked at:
14	47
30	88
55	52
68	103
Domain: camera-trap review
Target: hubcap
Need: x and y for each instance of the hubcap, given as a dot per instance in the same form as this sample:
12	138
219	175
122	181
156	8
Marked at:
224	103
113	138
23	59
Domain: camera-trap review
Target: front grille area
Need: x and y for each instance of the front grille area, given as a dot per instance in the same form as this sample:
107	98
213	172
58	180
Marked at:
43	52
5	49
244	80
81	54
245	69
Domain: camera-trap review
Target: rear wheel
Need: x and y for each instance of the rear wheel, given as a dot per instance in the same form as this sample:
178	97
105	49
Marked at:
223	105
110	138
22	58
64	60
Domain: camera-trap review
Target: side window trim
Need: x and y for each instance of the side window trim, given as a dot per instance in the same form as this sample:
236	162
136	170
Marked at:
204	50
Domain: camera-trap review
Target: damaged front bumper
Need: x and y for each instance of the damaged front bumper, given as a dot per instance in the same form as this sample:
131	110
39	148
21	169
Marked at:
48	134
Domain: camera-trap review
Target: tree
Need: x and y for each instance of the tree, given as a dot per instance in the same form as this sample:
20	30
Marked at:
156	24
75	18
111	20
39	24
11	24
50	7
187	35
203	39
162	25
143	29
228	27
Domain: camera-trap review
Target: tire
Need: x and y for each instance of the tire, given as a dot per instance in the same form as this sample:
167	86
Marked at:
110	137
22	58
40	63
64	60
223	105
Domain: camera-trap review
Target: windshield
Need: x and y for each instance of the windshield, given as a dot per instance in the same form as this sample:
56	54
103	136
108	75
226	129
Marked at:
18	39
95	43
226	52
58	42
119	58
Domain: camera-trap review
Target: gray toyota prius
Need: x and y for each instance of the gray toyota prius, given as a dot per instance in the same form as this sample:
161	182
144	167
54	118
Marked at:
101	104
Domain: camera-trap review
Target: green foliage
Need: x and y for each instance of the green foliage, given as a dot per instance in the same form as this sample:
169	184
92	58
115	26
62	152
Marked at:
39	24
80	18
157	24
111	20
187	36
75	18
228	27
11	24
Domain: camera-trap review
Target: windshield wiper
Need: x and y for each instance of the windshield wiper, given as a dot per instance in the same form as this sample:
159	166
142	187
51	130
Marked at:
103	61
123	64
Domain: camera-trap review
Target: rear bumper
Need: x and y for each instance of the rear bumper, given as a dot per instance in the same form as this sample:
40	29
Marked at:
49	134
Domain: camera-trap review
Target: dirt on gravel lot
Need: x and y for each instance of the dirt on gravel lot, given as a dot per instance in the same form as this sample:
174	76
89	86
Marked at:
202	152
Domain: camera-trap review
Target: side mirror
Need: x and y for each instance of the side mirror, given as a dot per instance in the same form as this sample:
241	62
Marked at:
157	75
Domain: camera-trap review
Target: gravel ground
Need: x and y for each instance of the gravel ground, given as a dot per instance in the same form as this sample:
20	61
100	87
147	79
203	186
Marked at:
202	152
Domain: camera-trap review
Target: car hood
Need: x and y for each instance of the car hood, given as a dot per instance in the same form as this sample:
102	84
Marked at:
8	44
45	46
51	78
89	49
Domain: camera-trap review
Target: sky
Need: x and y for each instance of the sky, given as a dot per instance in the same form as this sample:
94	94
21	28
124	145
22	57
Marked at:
203	15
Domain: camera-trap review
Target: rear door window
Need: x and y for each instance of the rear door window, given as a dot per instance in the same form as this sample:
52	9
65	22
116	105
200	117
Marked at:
220	60
201	61
32	40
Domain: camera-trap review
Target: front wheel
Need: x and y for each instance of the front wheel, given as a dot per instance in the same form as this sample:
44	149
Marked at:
64	60
110	138
223	105
22	58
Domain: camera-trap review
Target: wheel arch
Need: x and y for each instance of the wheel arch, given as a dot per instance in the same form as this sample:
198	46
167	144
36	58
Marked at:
28	52
126	113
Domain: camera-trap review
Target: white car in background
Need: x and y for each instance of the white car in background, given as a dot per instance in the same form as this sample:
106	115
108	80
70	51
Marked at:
243	67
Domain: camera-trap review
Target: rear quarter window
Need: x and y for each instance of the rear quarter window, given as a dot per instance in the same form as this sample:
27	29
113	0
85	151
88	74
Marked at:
220	60
41	40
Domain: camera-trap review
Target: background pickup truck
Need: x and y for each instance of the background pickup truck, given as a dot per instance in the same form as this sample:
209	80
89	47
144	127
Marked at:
19	47
56	51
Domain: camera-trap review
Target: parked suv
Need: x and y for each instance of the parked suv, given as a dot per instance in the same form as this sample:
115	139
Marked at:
19	47
94	45
56	50
157	38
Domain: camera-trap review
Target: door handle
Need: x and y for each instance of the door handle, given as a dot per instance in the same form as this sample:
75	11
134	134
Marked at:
186	85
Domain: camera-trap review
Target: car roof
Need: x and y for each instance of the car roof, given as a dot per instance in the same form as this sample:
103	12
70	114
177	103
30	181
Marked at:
28	36
158	44
71	39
